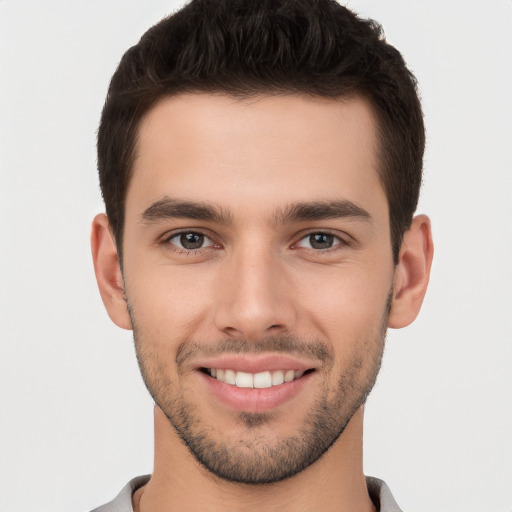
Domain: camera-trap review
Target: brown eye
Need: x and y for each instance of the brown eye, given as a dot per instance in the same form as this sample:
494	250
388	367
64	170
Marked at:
319	241
190	241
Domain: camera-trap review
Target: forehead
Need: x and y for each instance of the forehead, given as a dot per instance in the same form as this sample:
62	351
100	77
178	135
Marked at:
261	151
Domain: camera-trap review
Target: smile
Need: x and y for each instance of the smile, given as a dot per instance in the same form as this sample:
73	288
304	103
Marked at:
259	380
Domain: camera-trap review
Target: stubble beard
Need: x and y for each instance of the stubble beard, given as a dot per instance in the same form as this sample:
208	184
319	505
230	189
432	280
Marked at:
251	459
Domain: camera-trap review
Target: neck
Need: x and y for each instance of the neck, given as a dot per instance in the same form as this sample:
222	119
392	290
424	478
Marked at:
335	482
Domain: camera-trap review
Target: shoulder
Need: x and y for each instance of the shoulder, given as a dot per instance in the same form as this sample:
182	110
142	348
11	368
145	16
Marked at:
381	495
123	501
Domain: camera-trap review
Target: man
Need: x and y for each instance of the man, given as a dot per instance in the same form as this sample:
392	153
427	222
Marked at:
260	164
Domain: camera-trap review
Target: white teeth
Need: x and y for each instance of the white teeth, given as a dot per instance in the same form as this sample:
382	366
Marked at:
289	376
262	380
230	377
244	380
257	380
277	378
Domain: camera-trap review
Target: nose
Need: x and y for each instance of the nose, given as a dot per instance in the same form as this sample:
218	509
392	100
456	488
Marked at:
255	298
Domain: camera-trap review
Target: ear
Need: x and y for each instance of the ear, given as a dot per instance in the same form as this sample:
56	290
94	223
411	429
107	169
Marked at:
108	271
412	273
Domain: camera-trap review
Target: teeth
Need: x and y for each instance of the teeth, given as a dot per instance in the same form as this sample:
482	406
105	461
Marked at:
263	380
230	377
277	378
244	380
289	375
255	380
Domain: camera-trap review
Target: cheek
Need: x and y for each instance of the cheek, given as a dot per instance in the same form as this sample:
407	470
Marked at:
351	318
168	302
346	304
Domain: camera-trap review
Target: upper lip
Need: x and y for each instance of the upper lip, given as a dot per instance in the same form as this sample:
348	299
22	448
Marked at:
251	363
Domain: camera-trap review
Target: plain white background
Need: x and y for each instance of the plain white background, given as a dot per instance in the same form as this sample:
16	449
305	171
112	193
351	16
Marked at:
75	418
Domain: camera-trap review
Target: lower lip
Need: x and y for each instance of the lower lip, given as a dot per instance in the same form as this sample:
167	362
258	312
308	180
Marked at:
255	400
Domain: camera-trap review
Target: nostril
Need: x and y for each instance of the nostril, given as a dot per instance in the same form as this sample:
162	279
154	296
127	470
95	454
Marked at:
281	326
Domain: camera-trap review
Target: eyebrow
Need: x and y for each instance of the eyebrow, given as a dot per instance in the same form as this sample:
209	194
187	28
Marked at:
168	208
323	210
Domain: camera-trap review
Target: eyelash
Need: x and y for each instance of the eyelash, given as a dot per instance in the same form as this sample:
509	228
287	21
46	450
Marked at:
341	242
180	250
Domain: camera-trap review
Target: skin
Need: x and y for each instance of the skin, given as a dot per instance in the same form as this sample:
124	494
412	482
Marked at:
257	279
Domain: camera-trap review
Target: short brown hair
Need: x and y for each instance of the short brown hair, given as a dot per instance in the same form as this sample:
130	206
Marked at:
247	47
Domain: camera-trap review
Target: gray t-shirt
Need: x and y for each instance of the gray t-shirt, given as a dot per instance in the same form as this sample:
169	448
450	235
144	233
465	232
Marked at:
378	490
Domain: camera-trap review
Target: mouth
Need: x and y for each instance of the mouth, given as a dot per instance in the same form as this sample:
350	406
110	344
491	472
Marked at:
257	383
260	380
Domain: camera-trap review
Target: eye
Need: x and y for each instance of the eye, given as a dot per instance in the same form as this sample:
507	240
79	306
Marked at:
190	241
319	241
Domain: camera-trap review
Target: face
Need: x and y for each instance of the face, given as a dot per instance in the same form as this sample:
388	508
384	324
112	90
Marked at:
257	272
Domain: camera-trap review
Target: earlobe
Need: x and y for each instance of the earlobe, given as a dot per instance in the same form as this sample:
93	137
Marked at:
412	273
108	271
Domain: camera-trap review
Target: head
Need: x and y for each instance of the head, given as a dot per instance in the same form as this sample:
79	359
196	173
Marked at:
316	48
260	164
